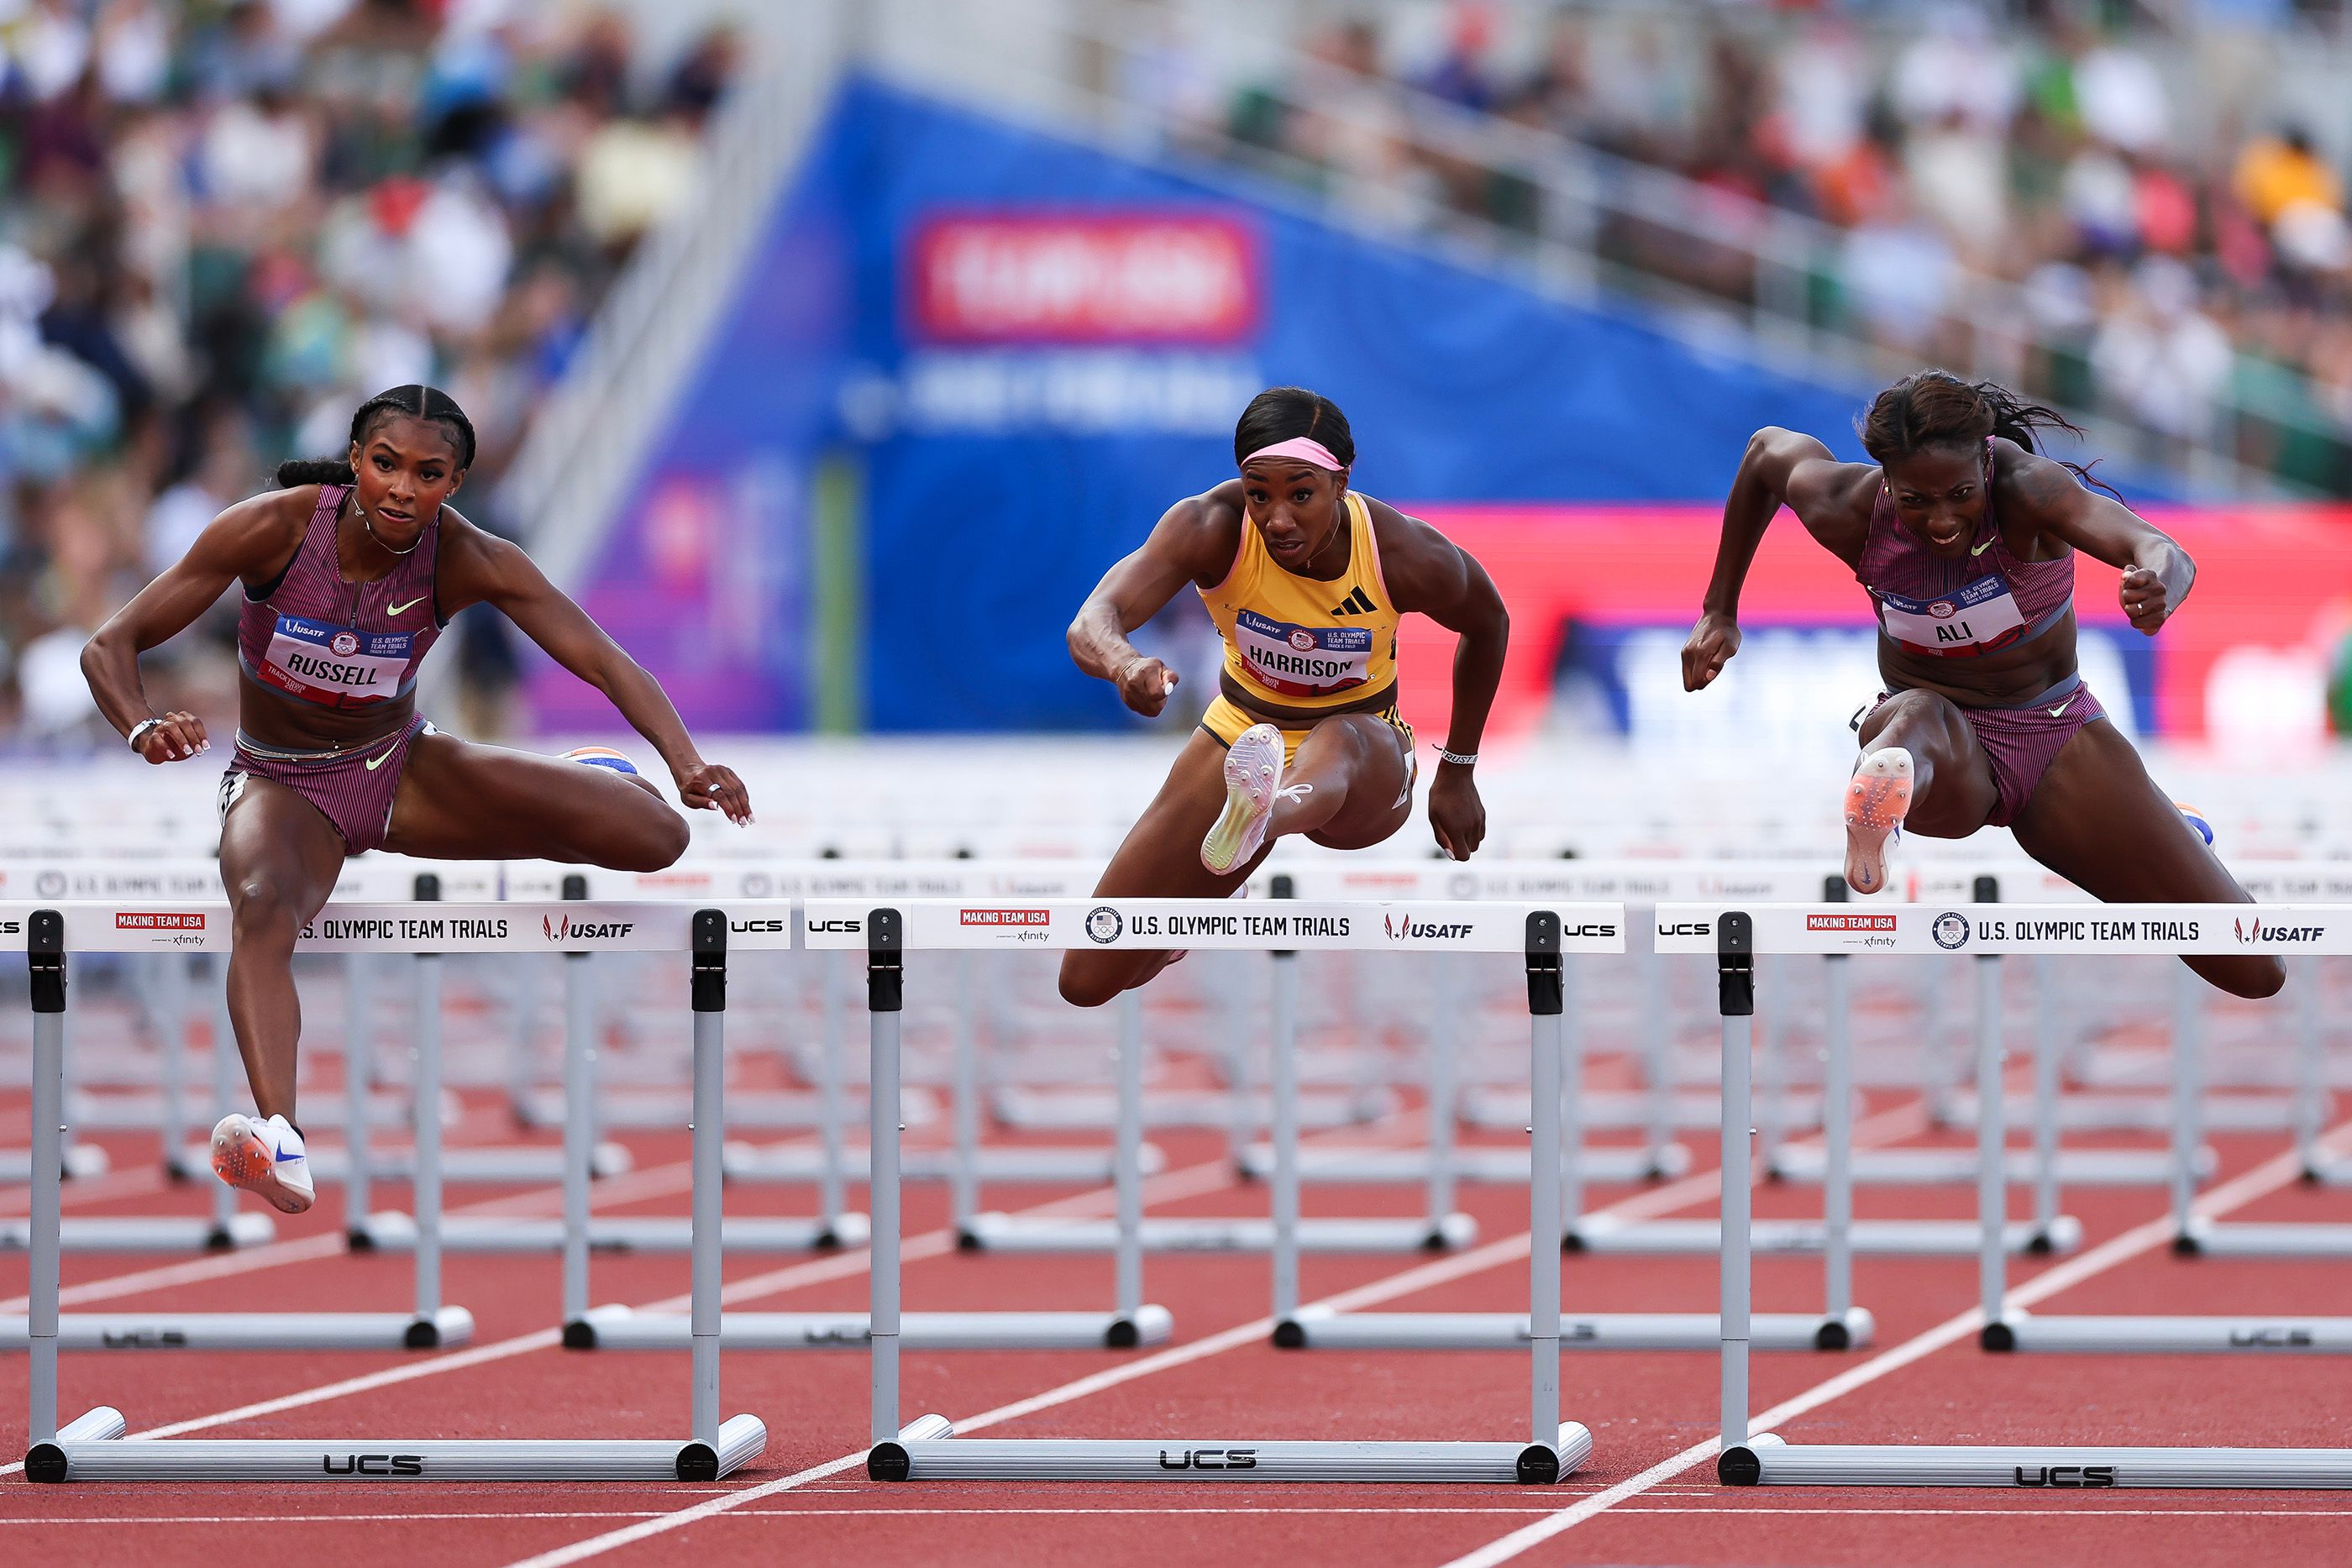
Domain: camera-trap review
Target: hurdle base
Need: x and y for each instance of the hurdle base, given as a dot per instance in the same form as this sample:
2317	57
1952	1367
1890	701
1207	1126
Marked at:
619	1328
250	1331
1870	1237
1498	1166
994	1232
2151	1113
166	1233
1953	1167
1505	1111
660	1109
482	1164
1072	1110
1317	1327
797	1163
2130	1334
926	1450
84	1452
393	1231
80	1162
1767	1460
2249	1239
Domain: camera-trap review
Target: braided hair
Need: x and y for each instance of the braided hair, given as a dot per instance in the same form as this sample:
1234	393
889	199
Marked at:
417	401
1936	408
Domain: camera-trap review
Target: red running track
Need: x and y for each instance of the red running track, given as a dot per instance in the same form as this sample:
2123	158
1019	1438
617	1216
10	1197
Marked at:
1645	1496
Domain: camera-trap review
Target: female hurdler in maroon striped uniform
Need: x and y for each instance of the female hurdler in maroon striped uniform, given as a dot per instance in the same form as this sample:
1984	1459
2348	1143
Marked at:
1965	539
351	570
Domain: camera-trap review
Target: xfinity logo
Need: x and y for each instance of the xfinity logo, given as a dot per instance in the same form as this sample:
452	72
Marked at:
1209	1459
373	1464
2066	1476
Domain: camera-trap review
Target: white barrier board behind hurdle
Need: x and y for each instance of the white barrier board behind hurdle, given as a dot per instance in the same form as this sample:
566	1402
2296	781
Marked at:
1987	929
1155	924
174	925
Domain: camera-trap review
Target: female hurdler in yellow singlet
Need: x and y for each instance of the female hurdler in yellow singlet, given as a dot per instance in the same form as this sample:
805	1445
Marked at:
1306	580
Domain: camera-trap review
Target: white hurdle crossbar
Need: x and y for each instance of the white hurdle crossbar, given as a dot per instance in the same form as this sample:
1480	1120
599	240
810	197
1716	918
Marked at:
927	1450
90	1447
1737	935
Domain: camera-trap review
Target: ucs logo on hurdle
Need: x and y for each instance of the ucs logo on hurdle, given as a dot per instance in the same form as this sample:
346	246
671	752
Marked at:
1209	1459
372	1464
2065	1475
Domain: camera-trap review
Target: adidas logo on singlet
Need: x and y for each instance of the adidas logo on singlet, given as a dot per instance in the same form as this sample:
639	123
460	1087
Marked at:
1355	604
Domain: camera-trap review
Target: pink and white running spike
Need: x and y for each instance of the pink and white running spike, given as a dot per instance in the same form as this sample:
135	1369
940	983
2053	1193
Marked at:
1252	778
1877	798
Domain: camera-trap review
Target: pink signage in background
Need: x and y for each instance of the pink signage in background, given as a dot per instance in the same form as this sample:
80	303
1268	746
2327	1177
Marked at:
1107	276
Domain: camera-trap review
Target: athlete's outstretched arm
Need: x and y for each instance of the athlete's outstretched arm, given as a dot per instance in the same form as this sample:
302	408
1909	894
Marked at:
480	567
1431	574
2156	571
1182	550
252	539
1781	467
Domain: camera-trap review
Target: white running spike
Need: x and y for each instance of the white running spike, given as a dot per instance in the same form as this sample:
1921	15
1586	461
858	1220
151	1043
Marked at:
1877	797
1253	782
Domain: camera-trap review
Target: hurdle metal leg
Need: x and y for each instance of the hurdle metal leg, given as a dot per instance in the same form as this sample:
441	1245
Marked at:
1133	1322
89	1447
926	1449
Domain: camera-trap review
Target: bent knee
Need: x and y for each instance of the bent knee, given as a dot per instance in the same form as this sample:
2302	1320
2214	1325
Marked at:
2252	978
656	842
262	908
1087	984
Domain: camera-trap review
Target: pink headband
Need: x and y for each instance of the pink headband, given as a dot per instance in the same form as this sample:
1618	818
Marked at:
1305	448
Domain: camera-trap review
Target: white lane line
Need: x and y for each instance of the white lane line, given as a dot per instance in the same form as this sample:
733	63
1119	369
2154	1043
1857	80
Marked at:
1193	1180
1679	1194
1175	1511
658	1181
2265	1178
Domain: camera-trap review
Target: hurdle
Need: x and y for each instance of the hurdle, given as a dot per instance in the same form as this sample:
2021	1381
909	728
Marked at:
2047	1234
90	1447
996	1233
926	1448
1736	936
575	1233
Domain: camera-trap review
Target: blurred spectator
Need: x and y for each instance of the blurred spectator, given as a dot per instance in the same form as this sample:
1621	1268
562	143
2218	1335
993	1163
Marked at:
225	221
2039	170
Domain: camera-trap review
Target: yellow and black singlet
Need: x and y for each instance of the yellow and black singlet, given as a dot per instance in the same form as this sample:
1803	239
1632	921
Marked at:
1302	643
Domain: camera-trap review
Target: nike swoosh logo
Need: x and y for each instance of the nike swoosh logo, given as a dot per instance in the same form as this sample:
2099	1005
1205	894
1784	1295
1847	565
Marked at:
402	608
282	1158
2062	707
1973	550
376	762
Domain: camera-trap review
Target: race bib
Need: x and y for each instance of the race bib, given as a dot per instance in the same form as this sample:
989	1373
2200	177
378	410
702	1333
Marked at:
330	663
1977	619
1303	660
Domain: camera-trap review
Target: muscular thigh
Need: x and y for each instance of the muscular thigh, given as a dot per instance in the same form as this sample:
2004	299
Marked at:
2098	820
1959	795
1379	779
1160	856
273	839
461	801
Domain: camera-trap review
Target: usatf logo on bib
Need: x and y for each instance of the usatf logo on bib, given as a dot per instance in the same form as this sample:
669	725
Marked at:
1303	660
323	662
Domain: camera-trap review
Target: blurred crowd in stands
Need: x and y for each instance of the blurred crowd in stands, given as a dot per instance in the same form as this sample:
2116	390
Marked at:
2123	217
224	223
